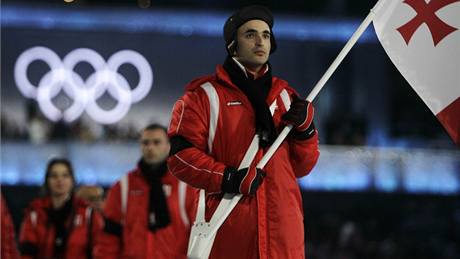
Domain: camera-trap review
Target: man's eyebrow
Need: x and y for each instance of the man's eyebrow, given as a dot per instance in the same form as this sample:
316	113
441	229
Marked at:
254	30
250	30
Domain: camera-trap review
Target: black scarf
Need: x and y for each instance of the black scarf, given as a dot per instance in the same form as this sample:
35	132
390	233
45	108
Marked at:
59	219
256	90
158	212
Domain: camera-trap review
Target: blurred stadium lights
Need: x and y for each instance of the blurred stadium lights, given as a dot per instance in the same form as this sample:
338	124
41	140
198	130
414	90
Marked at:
339	168
168	21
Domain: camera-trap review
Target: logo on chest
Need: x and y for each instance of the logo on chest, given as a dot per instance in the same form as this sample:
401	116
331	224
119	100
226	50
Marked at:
138	192
233	103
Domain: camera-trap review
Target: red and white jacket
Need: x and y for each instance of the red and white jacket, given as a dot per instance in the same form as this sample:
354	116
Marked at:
37	235
218	119
8	246
126	234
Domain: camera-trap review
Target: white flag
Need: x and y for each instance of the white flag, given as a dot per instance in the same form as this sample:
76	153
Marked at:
422	38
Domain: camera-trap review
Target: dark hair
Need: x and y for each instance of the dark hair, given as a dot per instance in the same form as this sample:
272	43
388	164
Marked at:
156	126
253	12
50	164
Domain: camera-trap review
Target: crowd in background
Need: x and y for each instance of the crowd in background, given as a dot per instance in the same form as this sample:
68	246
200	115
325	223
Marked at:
421	230
342	129
40	130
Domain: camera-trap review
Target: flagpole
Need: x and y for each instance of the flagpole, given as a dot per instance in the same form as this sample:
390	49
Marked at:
343	53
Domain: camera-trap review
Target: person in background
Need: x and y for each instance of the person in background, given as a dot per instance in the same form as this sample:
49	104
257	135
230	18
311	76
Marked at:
59	225
147	213
8	248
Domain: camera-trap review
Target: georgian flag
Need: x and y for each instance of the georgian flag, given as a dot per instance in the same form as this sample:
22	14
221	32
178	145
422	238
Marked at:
422	38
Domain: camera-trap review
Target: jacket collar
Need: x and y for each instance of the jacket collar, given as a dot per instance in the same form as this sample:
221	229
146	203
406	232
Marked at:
277	84
247	73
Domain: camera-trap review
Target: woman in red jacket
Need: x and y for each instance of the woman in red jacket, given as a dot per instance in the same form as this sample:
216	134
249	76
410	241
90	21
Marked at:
59	225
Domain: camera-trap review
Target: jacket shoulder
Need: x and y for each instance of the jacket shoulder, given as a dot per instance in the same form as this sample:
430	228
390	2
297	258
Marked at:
281	84
134	177
131	175
39	204
80	203
197	82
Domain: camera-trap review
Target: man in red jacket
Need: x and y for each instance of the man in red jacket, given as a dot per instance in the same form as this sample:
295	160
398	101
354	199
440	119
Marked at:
147	212
212	126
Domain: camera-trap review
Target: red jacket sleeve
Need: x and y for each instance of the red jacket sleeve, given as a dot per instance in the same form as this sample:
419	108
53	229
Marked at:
108	243
8	246
303	154
190	119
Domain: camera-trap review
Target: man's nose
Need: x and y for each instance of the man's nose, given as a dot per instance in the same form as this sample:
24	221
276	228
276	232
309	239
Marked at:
152	146
259	40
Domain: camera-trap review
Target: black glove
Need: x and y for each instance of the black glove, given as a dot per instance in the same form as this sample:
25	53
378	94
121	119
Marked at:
245	181
300	115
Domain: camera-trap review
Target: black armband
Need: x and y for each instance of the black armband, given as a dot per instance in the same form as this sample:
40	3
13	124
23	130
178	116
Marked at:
178	143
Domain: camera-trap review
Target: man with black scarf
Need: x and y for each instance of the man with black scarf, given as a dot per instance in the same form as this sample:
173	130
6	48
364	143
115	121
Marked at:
147	212
212	127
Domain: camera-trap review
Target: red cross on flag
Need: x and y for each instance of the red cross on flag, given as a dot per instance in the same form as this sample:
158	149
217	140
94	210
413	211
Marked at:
422	39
